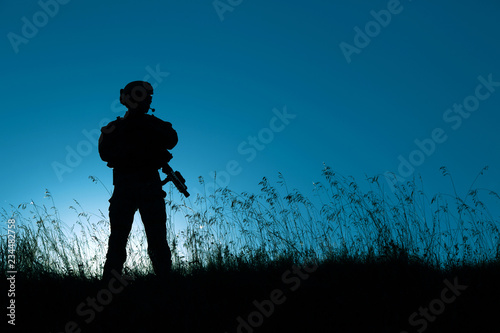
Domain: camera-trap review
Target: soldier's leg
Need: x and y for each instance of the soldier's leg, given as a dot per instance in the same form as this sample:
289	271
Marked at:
154	217
121	217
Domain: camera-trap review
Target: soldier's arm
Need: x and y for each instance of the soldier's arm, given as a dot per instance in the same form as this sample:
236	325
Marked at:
168	136
110	149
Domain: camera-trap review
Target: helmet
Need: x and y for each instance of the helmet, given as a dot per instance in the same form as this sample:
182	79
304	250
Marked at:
135	91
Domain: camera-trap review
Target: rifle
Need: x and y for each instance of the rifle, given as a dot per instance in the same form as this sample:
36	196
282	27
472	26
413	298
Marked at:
174	176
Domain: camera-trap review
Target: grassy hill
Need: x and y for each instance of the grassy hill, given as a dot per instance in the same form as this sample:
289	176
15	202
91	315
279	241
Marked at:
366	260
336	296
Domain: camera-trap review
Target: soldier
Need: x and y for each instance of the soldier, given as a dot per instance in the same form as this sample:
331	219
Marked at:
135	146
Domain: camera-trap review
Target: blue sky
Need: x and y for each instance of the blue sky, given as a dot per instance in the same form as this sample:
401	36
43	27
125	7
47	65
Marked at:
223	75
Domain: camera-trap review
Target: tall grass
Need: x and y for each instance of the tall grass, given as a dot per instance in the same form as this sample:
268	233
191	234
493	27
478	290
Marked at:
225	229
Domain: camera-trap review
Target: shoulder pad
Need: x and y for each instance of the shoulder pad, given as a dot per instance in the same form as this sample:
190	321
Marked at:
152	118
111	125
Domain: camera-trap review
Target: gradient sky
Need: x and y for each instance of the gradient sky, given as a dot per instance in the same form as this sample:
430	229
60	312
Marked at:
222	75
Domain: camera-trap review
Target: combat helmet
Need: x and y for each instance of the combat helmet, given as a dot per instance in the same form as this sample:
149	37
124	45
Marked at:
135	91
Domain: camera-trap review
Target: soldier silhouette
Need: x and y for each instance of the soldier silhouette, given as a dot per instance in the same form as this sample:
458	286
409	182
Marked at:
135	146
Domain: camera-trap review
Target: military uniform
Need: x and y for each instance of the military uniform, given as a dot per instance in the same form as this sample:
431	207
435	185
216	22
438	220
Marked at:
136	147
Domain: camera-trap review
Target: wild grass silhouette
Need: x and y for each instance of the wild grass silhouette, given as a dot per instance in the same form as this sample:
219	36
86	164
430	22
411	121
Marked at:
380	256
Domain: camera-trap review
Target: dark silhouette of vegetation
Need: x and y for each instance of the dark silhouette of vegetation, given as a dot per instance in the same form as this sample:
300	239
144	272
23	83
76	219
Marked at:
366	259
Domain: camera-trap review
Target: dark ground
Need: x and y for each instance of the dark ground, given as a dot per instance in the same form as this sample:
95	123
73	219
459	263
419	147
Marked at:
334	297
